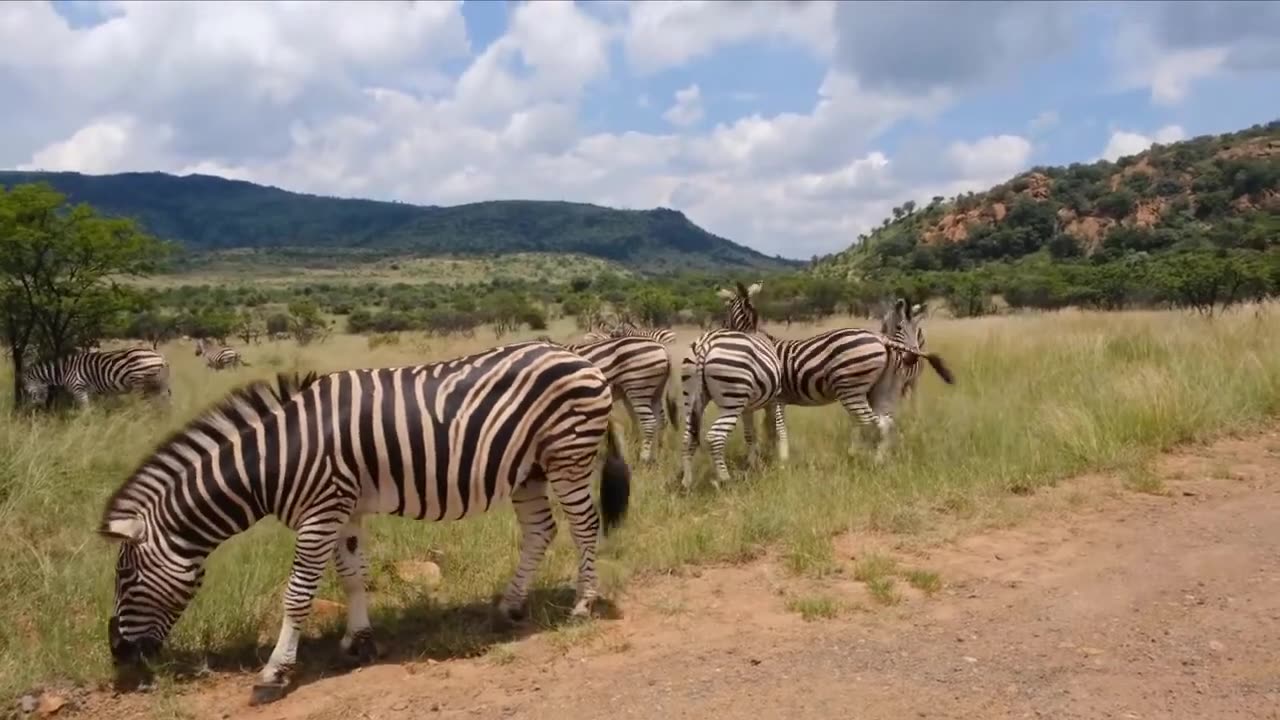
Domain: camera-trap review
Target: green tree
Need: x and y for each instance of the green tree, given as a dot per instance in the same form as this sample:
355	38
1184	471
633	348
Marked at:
58	272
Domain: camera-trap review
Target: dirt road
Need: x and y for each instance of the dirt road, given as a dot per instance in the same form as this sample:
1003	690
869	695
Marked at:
1098	603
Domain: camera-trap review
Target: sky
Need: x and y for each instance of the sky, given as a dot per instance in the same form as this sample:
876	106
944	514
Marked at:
787	126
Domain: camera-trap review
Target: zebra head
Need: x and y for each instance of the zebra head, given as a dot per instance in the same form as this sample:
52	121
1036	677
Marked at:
743	316
37	379
153	587
199	347
902	324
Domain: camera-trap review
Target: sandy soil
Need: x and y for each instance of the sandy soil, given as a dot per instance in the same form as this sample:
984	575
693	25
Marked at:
1097	603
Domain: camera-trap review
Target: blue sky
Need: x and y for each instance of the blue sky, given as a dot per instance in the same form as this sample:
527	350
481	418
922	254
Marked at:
790	127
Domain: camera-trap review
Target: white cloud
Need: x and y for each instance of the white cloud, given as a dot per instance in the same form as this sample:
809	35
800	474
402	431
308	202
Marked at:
991	157
662	34
1044	121
1124	143
687	109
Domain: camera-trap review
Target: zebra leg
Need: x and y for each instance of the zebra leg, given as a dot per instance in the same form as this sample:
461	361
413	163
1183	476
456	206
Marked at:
694	404
353	572
749	437
572	486
860	411
779	430
642	413
537	530
884	400
716	437
312	549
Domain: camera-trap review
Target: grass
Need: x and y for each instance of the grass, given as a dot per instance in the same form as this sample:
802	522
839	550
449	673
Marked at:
815	607
925	581
1039	398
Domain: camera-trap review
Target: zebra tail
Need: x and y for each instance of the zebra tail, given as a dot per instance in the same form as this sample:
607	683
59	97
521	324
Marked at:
697	387
940	367
615	482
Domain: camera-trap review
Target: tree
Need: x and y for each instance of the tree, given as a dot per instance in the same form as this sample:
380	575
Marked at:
306	323
58	267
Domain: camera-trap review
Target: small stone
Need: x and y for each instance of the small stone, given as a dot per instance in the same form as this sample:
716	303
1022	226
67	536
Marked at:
970	659
1091	651
29	703
419	572
400	706
50	705
1216	646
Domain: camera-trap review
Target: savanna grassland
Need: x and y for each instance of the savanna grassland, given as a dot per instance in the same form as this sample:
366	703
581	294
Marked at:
1040	397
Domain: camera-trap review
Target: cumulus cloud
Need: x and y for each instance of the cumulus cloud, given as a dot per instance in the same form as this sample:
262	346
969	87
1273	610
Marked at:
687	109
1044	121
1124	143
399	105
1166	47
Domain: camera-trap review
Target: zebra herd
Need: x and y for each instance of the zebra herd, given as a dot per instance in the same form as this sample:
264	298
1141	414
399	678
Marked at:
450	440
95	372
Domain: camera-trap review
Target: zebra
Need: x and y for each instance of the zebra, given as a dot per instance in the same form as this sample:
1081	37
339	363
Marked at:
639	371
852	366
740	372
628	329
737	368
217	357
438	442
99	372
897	323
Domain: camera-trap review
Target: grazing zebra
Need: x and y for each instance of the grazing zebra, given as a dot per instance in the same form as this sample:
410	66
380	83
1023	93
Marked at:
846	365
97	372
629	329
219	357
437	442
639	371
898	323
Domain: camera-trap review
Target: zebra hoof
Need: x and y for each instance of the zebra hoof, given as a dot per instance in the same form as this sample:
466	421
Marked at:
265	693
505	618
363	649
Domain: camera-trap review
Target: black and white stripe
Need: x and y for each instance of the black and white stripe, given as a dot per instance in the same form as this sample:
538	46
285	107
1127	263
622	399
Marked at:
857	368
899	323
639	371
629	329
95	372
740	373
219	357
437	442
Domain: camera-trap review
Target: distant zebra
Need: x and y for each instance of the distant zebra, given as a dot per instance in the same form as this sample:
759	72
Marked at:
639	371
218	357
898	323
846	365
95	372
437	442
629	329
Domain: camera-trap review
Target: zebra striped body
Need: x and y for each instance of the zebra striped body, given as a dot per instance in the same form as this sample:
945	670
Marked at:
217	357
862	370
740	373
737	369
438	442
638	370
94	372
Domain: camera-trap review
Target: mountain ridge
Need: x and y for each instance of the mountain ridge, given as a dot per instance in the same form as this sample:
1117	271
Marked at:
208	214
1212	190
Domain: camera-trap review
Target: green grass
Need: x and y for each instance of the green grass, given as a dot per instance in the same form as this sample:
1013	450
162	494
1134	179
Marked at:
815	607
1039	398
925	581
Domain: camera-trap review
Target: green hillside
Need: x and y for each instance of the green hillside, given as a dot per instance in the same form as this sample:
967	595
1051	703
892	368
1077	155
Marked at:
1217	192
210	215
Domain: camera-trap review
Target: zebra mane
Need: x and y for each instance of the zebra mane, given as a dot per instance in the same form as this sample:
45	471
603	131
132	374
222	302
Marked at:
243	408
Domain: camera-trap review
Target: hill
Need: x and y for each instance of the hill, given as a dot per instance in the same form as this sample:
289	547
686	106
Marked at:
1218	191
208	214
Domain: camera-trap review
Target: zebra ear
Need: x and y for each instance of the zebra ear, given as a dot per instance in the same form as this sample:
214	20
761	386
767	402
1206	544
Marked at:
130	530
754	289
726	294
917	309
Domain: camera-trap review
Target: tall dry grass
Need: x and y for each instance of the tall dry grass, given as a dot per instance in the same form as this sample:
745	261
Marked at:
1040	397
